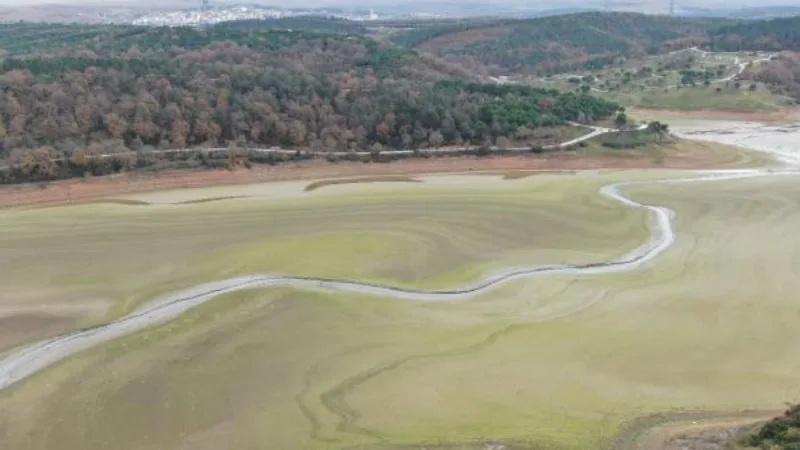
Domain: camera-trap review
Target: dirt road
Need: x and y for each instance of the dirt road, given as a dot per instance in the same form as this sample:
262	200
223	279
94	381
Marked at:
690	431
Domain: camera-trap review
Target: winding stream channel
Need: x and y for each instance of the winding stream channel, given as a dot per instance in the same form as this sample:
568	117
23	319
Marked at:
28	360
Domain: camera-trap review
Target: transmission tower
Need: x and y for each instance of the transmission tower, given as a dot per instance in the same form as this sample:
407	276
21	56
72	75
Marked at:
671	7
206	5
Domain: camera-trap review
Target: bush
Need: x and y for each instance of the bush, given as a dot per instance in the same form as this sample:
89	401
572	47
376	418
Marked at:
783	432
626	140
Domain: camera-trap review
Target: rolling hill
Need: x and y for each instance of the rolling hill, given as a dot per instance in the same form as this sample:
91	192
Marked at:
558	43
770	35
172	88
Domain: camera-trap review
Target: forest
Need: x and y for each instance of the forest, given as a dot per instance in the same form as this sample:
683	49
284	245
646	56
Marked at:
764	35
173	88
561	43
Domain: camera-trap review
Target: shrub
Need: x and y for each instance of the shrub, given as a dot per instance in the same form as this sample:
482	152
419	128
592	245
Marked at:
782	432
626	139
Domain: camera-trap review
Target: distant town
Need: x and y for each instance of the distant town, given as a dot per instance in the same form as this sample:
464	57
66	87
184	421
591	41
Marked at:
213	15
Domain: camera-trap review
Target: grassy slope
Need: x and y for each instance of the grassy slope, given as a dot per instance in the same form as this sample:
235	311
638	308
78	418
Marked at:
698	98
659	92
557	362
676	149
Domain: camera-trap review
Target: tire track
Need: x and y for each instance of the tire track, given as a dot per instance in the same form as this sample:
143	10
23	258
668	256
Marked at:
335	399
316	426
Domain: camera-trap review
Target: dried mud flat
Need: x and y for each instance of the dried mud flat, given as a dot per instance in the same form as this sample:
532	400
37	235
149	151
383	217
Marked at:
92	189
779	140
775	134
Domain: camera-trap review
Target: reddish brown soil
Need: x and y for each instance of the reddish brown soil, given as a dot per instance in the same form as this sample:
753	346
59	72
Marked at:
94	189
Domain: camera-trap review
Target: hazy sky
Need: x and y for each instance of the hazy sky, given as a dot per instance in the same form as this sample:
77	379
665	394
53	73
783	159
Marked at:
543	4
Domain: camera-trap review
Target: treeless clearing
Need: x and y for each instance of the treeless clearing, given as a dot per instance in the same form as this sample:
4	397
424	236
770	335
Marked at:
436	44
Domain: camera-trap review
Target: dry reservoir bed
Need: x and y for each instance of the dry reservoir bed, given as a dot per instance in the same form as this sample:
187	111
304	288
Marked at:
552	362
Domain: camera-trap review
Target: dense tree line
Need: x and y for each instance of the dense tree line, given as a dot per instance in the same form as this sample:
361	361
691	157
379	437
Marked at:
764	35
184	88
22	38
559	43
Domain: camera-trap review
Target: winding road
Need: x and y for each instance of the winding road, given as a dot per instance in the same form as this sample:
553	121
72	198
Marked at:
31	359
280	151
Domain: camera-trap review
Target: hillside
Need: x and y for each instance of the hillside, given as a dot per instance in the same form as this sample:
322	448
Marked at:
24	37
767	35
781	74
163	88
560	43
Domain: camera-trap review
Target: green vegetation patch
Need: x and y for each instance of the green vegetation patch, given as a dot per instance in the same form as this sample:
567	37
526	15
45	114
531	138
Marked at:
699	98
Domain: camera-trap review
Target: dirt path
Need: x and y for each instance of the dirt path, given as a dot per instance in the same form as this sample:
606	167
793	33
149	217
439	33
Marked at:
690	431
